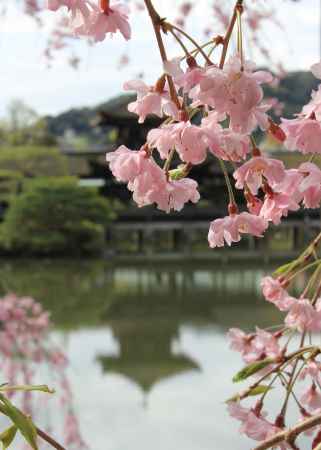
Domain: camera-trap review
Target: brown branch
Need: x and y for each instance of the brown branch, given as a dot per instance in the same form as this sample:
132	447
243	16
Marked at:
157	22
228	34
49	439
290	434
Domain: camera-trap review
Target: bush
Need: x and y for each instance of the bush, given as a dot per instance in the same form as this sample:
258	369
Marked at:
10	184
56	216
34	161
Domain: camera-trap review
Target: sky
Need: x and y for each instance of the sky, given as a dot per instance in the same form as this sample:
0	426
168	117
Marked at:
24	73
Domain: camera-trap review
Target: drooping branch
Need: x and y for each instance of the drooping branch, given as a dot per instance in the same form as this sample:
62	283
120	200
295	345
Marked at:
229	32
290	434
49	439
157	21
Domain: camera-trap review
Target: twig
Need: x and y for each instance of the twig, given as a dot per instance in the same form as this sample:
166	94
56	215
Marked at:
49	439
157	21
228	34
290	434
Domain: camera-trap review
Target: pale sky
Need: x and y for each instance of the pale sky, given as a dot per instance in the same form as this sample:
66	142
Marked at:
24	74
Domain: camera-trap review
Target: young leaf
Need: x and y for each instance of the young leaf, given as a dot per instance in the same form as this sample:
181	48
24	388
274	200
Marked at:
251	369
7	436
22	422
283	268
261	389
26	388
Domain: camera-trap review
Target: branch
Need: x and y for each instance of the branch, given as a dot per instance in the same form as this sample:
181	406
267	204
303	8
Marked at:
49	439
157	22
291	434
229	31
285	360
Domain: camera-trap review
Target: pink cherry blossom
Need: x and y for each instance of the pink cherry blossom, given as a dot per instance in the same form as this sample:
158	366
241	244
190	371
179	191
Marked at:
126	164
252	172
149	186
231	227
224	142
301	316
163	138
239	341
233	146
313	370
276	294
110	21
311	185
188	140
150	101
81	11
275	206
312	398
265	344
237	411
177	193
192	146
303	135
185	80
253	425
313	108
257	428
235	92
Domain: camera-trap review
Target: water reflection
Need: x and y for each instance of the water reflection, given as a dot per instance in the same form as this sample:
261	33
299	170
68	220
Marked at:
148	336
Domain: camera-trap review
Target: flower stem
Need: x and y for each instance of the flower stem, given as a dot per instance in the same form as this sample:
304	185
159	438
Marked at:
227	181
156	21
239	11
49	439
192	40
229	32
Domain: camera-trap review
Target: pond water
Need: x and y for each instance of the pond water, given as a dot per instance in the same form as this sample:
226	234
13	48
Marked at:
149	364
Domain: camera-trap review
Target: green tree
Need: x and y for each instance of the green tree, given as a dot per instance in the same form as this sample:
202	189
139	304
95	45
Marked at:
56	216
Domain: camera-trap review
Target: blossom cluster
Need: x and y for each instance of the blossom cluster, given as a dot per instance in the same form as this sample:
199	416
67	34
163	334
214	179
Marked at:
96	20
212	109
24	347
230	94
303	315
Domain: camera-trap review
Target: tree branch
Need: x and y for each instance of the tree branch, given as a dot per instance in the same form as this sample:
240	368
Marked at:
291	434
49	439
157	21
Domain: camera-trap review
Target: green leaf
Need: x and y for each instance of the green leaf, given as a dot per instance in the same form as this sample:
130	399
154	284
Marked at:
280	270
22	422
7	436
27	388
251	369
177	174
261	389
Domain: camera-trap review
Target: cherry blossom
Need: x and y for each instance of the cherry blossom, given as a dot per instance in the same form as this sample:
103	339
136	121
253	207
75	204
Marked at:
126	164
114	19
312	398
150	101
302	316
230	228
313	370
254	346
275	206
252	172
188	140
311	185
276	294
303	135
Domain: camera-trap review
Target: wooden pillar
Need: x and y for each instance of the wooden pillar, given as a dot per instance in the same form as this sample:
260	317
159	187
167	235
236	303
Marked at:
140	240
296	238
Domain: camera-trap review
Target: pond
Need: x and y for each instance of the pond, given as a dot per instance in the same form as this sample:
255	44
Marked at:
150	367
